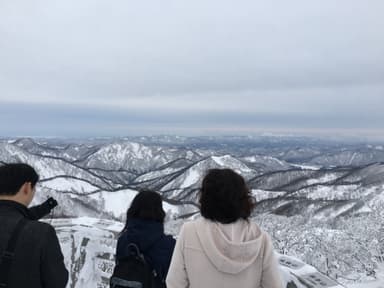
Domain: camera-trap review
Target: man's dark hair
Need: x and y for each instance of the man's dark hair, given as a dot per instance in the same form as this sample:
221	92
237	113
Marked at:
225	197
147	205
14	175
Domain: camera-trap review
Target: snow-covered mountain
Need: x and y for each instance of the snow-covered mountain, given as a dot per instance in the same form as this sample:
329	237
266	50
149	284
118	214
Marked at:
88	173
315	188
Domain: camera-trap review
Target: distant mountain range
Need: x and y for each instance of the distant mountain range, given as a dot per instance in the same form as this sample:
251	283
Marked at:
288	176
312	194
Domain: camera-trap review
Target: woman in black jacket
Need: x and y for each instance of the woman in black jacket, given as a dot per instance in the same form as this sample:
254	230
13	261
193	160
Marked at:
145	227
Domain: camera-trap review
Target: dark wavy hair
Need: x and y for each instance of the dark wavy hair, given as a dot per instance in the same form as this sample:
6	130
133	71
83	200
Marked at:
14	175
225	197
146	205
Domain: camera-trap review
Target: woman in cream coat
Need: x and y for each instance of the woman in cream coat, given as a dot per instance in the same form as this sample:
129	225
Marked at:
223	248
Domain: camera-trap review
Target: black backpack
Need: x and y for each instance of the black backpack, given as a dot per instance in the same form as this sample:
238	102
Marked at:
134	271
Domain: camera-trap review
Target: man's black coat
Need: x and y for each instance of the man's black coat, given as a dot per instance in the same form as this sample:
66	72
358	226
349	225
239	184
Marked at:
38	261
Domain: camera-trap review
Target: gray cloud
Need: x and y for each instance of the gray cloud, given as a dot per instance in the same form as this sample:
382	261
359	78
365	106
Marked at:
58	120
306	64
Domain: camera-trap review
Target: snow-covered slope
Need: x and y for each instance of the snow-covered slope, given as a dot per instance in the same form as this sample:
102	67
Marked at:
298	181
134	157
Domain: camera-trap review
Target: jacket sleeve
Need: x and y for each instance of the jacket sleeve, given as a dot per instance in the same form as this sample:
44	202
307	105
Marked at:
39	211
177	273
53	272
270	277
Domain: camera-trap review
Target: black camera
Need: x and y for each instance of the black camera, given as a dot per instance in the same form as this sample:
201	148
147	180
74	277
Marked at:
50	202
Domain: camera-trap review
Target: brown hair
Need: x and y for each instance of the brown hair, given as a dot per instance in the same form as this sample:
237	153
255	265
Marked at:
224	196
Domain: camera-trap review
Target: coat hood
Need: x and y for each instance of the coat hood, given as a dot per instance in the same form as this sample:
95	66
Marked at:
230	247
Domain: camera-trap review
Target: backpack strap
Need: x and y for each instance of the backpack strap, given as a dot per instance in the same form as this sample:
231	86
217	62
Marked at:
8	254
136	250
133	248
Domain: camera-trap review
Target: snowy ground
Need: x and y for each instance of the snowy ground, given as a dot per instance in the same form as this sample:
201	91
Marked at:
379	283
376	284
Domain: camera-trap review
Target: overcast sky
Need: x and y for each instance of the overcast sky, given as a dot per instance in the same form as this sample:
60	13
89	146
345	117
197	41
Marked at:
201	67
